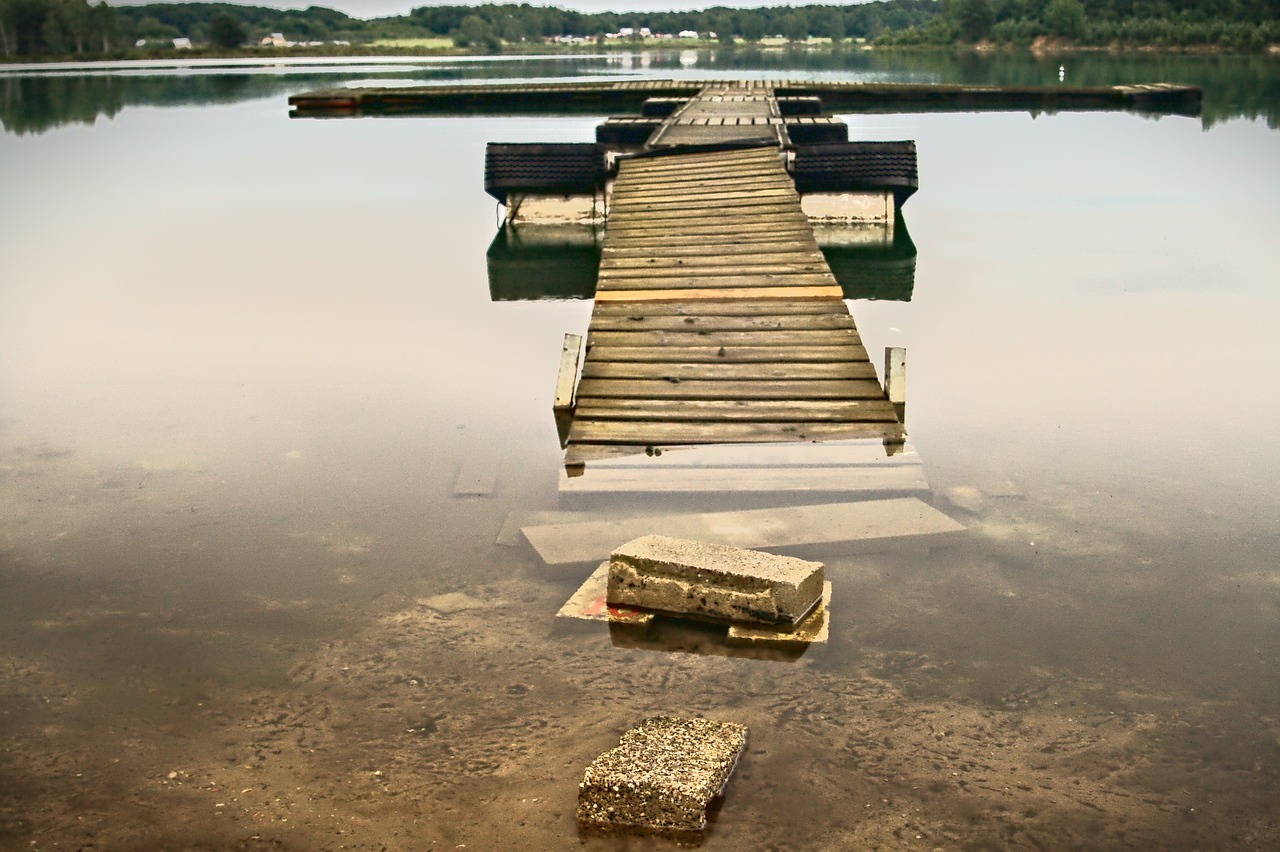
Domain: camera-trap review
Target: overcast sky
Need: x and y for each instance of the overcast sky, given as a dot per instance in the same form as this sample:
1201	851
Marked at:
383	8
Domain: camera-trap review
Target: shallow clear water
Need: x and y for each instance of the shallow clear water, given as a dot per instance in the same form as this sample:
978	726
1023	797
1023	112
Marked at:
243	359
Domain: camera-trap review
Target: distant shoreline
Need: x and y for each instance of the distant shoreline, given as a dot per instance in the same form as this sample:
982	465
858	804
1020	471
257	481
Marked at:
255	57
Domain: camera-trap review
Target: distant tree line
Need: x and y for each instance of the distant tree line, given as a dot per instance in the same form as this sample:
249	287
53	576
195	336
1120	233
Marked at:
512	23
1243	25
61	27
52	28
56	27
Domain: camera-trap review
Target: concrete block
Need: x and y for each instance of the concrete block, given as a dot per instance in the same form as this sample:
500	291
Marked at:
662	774
812	630
713	581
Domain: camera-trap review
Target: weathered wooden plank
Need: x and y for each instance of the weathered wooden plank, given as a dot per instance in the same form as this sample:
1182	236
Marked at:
736	410
703	200
679	208
849	480
750	265
690	172
667	322
705	250
720	309
798	256
694	157
727	188
694	389
780	212
770	207
753	267
708	245
775	227
710	192
743	228
736	281
692	161
755	371
692	180
730	179
766	179
648	239
854	454
781	355
661	432
703	171
789	294
709	337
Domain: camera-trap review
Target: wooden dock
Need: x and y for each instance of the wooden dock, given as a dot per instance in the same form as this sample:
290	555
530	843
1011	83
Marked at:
612	96
719	334
717	319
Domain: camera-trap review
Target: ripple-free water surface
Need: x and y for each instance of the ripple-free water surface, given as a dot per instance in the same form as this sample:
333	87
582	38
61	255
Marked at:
243	358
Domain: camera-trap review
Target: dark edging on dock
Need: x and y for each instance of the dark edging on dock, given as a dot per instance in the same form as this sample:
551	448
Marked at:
573	97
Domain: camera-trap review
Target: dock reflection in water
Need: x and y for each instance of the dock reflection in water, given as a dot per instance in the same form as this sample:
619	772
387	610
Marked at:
534	261
870	261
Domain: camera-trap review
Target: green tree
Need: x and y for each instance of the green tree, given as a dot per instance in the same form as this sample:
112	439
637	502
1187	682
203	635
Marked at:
152	28
973	17
724	29
795	26
750	25
106	26
475	31
1065	18
7	45
55	32
835	26
226	31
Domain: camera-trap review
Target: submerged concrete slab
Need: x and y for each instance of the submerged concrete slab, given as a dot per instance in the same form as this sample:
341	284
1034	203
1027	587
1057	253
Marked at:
692	578
812	630
859	527
589	603
662	774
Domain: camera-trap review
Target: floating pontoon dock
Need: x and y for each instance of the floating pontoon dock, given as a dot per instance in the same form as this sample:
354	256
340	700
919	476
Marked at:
717	319
609	96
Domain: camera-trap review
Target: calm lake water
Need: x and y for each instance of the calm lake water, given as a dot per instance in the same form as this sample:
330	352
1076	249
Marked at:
243	359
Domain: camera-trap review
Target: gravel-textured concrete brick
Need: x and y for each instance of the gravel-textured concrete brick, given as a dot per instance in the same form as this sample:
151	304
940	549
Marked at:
661	775
713	581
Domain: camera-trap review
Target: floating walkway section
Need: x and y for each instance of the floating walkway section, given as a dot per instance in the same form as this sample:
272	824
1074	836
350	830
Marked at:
630	96
717	319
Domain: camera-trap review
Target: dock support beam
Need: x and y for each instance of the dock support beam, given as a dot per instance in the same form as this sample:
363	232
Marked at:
895	389
567	386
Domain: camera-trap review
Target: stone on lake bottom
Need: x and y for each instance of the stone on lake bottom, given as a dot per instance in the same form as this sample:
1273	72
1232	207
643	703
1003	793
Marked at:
713	581
662	774
452	602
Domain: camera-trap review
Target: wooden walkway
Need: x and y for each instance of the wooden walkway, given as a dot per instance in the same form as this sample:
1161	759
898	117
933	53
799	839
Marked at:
717	320
730	113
